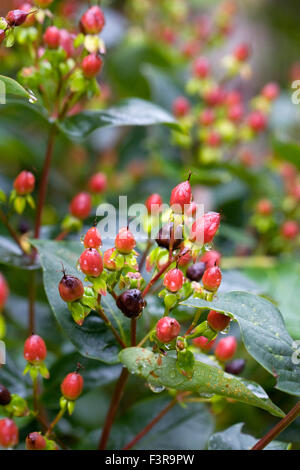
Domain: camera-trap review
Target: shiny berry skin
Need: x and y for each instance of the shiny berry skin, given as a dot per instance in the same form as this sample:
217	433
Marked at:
9	433
270	91
16	17
70	288
4	291
72	386
196	271
257	121
167	329
164	235
181	107
212	278
211	258
207	117
290	230
217	321
203	343
226	348
91	263
153	203
107	261
131	303
43	3
181	195
24	183
242	52
264	207
35	441
5	396
52	37
35	350
201	67
185	259
125	241
92	238
91	65
205	228
92	21
98	183
235	367
81	205
173	280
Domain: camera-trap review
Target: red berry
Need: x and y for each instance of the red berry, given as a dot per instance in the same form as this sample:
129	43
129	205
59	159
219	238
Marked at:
2	35
213	139
217	321
201	67
212	278
173	280
203	343
16	17
257	121
232	98
290	230
181	195
9	433
211	258
24	183
92	238
67	42
70	288
91	263
207	117
215	96
236	112
43	3
185	259
92	21
27	8
167	329
52	37
264	207
72	386
35	350
98	183
226	348
205	228
107	261
125	241
81	205
153	203
270	91
4	291
91	65
35	441
242	52
181	106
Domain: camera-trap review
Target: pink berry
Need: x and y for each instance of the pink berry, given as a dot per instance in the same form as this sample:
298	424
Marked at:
264	207
92	21
91	65
235	112
16	17
9	433
181	196
203	343
226	348
205	228
215	96
232	98
211	258
167	329
91	263
257	121
107	261
35	350
201	67
213	139
207	117
66	41
242	52
4	291
98	183
181	107
72	386
24	183
212	278
217	321
153	203
270	91
125	241
92	238
173	280
81	205
52	37
290	230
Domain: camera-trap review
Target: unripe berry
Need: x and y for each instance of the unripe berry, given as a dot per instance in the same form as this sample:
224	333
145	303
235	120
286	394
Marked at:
92	238
195	271
91	65
205	228
181	195
9	433
52	37
153	203
92	21
107	261
24	183
91	263
201	67
5	396
235	367
72	386
165	233
43	3
4	291
203	343
270	91
217	321
181	106
167	329
207	117
35	350
212	278
290	230
125	241
226	348
211	258
16	17
81	205
131	303
70	288
98	183
242	52
257	121
35	441
173	280
264	207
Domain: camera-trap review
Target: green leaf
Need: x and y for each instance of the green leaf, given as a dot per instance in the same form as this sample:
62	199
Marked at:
263	332
11	255
131	112
12	87
233	439
162	371
289	151
92	339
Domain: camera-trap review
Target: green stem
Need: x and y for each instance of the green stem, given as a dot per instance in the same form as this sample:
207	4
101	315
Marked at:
55	421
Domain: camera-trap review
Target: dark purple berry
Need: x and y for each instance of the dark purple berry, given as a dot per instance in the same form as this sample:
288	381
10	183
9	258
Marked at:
5	395
131	303
164	236
195	271
235	367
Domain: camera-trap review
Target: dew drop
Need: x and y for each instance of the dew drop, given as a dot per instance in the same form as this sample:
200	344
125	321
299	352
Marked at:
156	388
